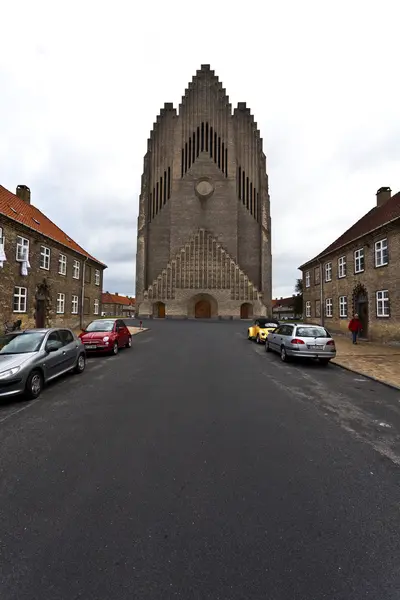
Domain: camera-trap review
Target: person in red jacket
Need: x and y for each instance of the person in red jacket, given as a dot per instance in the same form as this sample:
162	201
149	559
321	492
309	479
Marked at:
355	327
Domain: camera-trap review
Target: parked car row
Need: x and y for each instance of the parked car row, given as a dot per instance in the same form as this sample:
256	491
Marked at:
31	358
294	340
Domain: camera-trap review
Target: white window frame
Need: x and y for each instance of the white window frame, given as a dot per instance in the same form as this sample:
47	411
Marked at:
343	310
308	279
74	304
62	264
342	267
60	303
308	309
97	277
382	304
328	271
380	247
96	307
359	260
22	297
22	251
45	254
76	269
328	307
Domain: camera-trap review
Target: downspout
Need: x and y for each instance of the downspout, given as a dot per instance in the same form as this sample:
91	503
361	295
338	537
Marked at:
83	292
321	293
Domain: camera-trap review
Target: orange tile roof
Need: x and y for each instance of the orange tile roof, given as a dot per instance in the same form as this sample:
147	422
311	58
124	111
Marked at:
375	218
108	298
288	302
16	209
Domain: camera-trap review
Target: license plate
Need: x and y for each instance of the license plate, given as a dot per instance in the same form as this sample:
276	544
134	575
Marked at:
90	347
315	347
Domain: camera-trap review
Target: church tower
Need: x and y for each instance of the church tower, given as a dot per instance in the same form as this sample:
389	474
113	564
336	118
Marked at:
204	225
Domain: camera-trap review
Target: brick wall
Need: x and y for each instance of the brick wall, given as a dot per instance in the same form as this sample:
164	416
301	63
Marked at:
10	277
372	278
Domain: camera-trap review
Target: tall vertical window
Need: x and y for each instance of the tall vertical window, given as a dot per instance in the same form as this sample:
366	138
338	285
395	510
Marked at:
308	279
342	266
1	237
97	277
343	306
22	248
318	308
96	307
62	264
328	271
328	307
60	303
382	303
359	262
316	275
74	308
76	267
381	253
20	295
44	257
308	309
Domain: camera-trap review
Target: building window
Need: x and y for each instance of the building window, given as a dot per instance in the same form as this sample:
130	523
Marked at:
88	274
62	264
308	309
20	295
381	253
75	300
97	277
359	260
60	303
22	248
308	279
96	307
44	257
328	271
343	306
86	306
328	307
342	266
316	275
1	237
382	304
318	308
76	269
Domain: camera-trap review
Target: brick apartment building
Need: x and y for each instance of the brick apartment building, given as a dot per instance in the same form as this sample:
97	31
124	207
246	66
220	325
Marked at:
116	305
284	308
46	279
359	273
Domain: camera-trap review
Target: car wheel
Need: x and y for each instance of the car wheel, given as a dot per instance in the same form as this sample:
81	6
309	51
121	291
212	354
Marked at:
284	356
129	342
80	364
34	385
114	350
267	348
324	361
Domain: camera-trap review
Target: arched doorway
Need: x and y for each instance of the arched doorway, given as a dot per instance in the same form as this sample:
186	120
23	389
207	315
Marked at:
42	304
360	306
246	310
159	310
202	309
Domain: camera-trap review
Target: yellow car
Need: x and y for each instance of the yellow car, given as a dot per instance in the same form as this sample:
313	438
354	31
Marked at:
261	327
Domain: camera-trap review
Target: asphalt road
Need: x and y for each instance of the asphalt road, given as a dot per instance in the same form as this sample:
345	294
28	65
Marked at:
196	466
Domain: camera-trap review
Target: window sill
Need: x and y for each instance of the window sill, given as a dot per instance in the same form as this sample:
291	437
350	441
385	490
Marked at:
359	272
63	274
342	276
44	268
383	316
20	312
380	266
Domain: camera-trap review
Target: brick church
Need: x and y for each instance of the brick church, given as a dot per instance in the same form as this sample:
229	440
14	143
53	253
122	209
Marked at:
204	225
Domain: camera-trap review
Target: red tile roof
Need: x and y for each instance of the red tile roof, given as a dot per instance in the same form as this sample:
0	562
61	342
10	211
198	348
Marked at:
107	298
288	302
374	219
18	210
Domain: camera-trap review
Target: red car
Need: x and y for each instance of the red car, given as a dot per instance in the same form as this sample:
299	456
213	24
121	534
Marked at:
106	335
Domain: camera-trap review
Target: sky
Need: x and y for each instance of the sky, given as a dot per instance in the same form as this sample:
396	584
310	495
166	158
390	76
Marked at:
81	84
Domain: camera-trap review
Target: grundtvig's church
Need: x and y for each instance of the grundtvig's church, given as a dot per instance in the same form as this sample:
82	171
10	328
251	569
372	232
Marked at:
204	225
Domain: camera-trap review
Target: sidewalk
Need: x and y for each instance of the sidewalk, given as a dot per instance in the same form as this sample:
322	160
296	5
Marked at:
135	330
379	361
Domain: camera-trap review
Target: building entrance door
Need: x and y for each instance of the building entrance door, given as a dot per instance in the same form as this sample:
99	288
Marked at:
361	307
202	309
40	319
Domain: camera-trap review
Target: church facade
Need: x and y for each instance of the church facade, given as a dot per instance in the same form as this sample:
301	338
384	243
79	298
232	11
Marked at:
204	225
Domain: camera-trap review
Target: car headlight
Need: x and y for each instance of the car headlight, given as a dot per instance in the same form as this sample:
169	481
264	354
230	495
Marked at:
9	372
106	338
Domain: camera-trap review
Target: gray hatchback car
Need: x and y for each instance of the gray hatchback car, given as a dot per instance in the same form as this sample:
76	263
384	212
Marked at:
301	340
31	358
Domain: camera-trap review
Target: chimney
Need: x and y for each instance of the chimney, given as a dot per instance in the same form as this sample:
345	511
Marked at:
383	195
24	193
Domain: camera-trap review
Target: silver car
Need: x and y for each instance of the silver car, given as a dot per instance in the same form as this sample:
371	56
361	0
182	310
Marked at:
31	358
302	341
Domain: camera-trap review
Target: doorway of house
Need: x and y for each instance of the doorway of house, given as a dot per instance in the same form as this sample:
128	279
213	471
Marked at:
246	311
361	307
40	318
159	310
202	309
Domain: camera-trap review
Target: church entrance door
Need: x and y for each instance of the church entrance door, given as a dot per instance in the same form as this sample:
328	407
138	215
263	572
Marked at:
159	310
202	309
246	311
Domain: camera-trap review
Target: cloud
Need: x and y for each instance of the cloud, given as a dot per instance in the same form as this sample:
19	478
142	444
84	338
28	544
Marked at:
83	83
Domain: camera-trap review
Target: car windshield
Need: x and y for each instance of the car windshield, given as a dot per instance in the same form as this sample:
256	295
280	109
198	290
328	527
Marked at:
265	324
21	343
100	326
314	332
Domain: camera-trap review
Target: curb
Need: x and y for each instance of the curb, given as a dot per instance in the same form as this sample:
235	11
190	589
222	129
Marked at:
141	330
371	377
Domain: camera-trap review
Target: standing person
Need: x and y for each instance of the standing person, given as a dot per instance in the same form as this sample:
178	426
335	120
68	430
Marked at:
355	327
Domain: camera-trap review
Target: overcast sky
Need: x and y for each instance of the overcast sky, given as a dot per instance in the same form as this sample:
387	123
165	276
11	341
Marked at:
81	84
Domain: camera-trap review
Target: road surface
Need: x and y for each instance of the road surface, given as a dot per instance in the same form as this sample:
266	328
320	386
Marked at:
197	466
